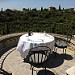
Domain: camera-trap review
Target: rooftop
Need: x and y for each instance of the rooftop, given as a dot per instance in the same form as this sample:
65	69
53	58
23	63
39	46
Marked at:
51	7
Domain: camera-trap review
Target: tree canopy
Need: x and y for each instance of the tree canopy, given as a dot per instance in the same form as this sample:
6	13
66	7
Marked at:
37	20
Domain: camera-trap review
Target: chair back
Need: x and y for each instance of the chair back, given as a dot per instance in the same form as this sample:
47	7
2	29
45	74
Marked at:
39	55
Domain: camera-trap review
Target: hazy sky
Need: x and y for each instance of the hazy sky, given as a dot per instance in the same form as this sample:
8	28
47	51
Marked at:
19	4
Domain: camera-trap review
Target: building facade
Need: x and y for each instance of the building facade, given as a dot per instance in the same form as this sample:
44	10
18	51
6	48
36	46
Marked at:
52	8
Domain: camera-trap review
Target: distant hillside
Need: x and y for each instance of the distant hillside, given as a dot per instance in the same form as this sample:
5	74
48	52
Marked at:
37	20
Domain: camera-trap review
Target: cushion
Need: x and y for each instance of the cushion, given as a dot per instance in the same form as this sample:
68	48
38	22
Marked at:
61	44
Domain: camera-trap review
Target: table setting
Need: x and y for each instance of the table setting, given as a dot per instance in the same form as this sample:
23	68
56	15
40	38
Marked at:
28	41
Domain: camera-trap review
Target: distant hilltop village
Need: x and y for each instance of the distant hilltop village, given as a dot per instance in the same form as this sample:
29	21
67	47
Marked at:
51	8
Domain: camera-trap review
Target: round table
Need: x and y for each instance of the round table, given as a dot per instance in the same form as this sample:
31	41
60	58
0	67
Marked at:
27	42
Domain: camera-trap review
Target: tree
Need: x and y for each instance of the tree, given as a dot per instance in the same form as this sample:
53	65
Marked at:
34	9
1	9
59	8
63	8
45	9
41	8
24	9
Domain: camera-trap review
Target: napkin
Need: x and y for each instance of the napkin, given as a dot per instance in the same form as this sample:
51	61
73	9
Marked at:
38	40
28	39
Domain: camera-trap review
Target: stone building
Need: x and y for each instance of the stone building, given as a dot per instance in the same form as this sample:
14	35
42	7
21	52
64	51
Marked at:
51	8
74	9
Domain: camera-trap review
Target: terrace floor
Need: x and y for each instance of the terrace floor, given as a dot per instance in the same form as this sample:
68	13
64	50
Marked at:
12	61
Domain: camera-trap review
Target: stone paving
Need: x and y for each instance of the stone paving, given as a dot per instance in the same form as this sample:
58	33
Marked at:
12	61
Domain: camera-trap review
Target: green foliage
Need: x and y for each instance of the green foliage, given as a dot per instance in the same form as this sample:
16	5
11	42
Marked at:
37	21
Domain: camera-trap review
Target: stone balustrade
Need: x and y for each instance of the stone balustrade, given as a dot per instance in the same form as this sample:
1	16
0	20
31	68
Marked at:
9	40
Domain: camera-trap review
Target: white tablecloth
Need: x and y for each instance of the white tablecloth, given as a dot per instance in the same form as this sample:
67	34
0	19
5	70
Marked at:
26	42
